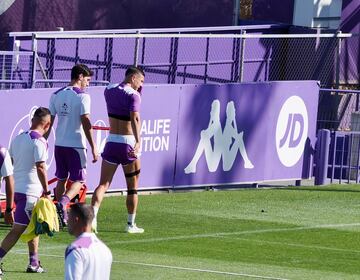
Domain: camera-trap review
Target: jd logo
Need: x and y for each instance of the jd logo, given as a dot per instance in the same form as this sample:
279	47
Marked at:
226	143
291	131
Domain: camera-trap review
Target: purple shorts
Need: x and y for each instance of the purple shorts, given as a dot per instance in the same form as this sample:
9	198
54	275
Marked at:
117	153
24	206
70	163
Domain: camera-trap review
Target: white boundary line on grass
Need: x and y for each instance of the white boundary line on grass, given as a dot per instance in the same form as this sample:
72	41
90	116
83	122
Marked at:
203	270
224	234
299	245
218	234
179	268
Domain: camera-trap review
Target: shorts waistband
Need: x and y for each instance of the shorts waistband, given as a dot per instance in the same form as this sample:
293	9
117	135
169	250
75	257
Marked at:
118	138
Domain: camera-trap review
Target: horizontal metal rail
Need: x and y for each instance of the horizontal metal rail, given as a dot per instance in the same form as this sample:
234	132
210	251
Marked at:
60	35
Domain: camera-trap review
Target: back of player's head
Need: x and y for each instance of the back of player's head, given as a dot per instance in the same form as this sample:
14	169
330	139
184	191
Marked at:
41	114
133	70
79	69
84	212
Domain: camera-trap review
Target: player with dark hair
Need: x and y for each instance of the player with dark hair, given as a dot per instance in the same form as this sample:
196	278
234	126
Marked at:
29	152
72	106
87	257
123	143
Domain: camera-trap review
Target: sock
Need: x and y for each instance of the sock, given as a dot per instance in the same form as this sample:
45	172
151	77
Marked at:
64	200
34	259
2	253
131	219
96	210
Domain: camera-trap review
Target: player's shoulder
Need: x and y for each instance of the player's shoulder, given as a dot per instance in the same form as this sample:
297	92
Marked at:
37	138
2	152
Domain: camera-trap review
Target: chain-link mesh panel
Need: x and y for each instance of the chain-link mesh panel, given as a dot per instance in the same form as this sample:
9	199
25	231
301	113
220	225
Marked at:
15	69
269	59
170	59
350	61
339	110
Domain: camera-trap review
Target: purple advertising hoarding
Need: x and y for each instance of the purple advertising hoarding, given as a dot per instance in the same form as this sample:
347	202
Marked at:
199	134
246	133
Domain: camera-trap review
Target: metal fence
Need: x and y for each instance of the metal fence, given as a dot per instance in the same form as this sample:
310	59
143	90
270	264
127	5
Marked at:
16	69
337	157
245	56
339	109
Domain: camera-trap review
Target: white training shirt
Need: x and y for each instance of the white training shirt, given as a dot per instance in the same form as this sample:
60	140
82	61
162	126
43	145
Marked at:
6	167
69	104
87	258
26	150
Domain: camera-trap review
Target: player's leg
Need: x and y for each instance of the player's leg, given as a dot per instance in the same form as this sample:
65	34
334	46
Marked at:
76	164
24	206
107	173
11	238
131	172
34	263
60	189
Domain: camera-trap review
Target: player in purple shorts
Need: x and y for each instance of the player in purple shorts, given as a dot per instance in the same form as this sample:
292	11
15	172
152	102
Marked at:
29	152
72	106
123	143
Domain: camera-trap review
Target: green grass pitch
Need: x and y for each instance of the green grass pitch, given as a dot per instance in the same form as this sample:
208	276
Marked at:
287	233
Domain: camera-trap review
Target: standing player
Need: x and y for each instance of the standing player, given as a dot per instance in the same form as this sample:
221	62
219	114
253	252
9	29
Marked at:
29	151
6	172
72	106
123	143
87	257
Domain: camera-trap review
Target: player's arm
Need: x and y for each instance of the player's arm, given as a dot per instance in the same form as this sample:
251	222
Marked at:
73	265
135	125
9	189
42	174
86	123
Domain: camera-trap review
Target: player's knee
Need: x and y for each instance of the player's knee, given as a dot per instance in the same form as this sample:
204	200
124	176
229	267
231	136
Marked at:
132	192
132	174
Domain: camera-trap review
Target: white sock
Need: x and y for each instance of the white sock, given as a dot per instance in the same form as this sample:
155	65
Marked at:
131	219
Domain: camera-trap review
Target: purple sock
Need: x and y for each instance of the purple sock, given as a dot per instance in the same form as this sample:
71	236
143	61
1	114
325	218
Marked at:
34	259
64	200
2	253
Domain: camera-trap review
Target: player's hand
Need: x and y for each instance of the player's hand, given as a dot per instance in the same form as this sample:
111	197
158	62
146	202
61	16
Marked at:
9	217
95	155
135	152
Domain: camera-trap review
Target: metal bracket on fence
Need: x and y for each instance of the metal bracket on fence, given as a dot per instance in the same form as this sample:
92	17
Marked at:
242	57
136	49
33	70
337	60
322	156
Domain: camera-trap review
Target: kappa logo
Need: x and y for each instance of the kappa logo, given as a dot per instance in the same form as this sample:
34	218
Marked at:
291	131
226	143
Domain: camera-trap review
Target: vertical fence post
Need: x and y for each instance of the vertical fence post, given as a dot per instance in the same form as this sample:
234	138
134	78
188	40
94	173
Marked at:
322	156
337	60
33	61
241	58
173	71
206	60
136	49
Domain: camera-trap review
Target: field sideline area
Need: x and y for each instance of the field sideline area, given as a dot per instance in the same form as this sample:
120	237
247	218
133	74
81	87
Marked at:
273	233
